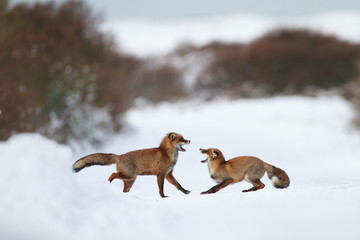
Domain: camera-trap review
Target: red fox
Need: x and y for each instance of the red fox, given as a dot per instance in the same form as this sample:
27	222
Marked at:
154	161
252	169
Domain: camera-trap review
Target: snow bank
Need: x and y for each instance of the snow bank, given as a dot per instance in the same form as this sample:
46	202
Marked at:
41	198
155	37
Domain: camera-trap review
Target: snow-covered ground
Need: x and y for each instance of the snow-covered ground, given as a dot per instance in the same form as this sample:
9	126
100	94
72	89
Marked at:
144	37
310	138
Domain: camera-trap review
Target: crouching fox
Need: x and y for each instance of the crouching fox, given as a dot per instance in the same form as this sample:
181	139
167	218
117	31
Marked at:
154	161
235	170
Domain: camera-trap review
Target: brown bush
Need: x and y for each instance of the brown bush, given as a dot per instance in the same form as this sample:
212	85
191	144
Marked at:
52	56
159	83
295	60
283	61
19	109
351	92
59	73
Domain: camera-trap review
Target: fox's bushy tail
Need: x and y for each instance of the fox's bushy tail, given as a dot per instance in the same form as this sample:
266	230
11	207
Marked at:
95	159
278	176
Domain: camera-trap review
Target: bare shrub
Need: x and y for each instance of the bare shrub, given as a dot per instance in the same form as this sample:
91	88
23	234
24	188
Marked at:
282	62
159	83
50	55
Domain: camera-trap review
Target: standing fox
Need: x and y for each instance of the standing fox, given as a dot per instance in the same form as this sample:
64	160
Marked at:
235	170
154	161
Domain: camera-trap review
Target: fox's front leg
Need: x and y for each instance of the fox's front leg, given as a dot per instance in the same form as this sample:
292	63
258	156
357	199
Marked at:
160	180
170	177
219	186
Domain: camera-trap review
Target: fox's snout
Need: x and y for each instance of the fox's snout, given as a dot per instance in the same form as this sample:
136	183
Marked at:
203	150
182	142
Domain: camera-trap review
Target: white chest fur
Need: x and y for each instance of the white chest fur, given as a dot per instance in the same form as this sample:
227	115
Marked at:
213	173
175	157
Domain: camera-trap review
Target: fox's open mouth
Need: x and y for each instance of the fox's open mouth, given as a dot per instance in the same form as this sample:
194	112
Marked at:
204	151
181	148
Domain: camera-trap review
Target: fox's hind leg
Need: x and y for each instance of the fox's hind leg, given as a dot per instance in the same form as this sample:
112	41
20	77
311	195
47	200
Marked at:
121	176
128	185
253	176
257	185
128	181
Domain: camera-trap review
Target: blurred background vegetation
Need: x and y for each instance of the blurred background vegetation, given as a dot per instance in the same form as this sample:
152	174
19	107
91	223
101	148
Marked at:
62	77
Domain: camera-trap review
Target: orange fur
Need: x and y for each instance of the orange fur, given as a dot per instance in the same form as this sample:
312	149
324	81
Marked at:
154	161
251	169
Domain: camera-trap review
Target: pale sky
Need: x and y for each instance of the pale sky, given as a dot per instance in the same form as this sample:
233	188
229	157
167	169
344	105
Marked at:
165	9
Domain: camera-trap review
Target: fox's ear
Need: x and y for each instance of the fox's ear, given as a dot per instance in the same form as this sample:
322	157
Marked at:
215	154
172	136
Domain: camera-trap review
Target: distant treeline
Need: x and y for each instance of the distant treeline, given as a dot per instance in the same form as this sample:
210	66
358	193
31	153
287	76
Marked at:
62	77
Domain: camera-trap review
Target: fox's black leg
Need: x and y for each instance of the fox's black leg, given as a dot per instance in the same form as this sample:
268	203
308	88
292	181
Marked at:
219	186
171	179
121	176
160	180
128	185
257	185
